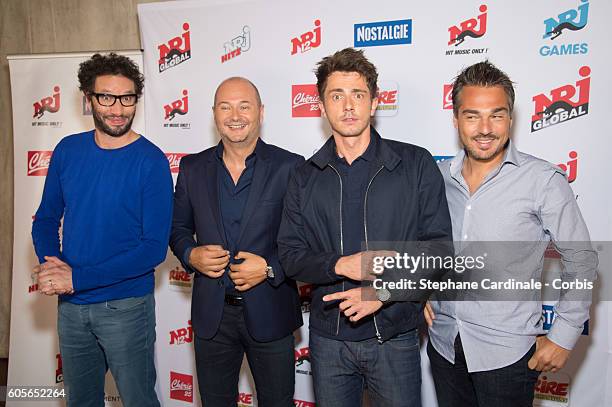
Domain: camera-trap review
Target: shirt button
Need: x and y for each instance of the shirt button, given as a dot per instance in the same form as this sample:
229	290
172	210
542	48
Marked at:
464	237
469	207
459	322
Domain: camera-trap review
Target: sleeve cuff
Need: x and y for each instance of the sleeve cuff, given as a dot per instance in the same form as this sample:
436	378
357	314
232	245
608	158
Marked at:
185	259
331	269
564	334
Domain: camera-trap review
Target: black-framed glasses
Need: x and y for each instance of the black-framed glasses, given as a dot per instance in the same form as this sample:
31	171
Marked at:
106	99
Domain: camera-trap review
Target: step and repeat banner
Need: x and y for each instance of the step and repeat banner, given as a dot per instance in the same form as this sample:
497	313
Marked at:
555	52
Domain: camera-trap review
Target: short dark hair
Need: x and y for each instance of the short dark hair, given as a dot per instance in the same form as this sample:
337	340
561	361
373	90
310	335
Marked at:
111	64
346	60
483	74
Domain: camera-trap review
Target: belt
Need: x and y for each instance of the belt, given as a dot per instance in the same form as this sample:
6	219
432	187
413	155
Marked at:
233	299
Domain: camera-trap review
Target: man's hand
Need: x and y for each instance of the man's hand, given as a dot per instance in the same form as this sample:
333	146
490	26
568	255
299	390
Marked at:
54	276
354	305
359	266
429	314
250	272
548	357
210	260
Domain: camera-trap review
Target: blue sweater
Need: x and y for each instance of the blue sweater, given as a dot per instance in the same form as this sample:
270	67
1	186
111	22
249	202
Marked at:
117	210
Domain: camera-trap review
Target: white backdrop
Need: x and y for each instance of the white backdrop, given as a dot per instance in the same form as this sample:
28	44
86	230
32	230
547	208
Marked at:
277	44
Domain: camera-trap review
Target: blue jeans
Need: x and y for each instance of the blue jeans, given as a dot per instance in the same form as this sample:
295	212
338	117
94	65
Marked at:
119	335
510	386
391	371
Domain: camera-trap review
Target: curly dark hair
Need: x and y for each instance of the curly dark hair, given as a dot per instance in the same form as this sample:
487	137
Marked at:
111	64
482	74
346	60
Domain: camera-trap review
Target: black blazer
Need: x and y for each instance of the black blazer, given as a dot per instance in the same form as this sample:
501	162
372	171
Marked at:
272	308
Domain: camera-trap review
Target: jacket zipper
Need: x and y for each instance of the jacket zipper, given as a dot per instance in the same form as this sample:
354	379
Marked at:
341	240
365	228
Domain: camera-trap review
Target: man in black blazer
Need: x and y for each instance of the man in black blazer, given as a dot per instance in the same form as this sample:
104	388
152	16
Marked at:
231	197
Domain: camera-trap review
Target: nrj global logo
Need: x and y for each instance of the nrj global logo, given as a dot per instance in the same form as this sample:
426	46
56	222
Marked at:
308	40
552	389
388	98
565	103
475	27
237	45
179	107
381	33
176	51
566	21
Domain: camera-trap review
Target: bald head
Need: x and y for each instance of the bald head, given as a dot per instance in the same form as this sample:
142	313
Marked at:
229	82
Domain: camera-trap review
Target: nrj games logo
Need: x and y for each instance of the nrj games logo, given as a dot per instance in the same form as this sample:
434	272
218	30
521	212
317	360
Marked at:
178	107
175	51
308	40
555	27
237	45
475	27
563	104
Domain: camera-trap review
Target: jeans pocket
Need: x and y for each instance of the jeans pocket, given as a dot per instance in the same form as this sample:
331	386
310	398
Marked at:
407	340
125	304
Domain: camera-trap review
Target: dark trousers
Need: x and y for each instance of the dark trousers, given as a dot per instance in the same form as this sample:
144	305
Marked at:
218	362
510	386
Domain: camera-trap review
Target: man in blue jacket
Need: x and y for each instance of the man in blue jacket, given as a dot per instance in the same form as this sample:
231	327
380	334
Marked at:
359	190
231	197
113	189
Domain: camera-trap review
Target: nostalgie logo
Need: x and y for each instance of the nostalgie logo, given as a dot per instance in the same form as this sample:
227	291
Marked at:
176	51
305	291
308	40
475	27
181	387
442	158
237	45
179	107
569	20
563	104
447	98
244	399
552	389
38	162
303	403
548	317
48	104
182	336
388	98
381	33
174	160
302	355
59	372
305	101
179	278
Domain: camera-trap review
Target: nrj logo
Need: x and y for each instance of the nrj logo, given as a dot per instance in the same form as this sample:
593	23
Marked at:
570	167
49	104
473	28
570	20
237	45
176	51
308	40
302	355
564	103
179	106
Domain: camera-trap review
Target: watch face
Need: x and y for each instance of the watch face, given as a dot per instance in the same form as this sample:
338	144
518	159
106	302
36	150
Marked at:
383	294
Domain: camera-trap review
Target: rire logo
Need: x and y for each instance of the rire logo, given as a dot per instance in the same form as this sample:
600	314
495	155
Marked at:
447	98
59	372
38	162
572	20
468	28
388	99
182	335
302	355
305	101
237	45
181	387
303	403
175	51
553	387
308	40
563	104
179	106
49	104
244	399
174	160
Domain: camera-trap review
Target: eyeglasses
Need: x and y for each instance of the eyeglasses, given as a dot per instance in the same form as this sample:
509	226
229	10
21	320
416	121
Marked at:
106	99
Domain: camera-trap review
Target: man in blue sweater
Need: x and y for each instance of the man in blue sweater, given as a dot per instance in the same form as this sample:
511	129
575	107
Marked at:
113	188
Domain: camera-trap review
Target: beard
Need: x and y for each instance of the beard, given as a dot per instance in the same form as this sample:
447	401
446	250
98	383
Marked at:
112	131
480	155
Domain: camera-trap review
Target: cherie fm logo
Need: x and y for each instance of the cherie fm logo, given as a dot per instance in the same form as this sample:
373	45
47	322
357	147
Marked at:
49	104
38	162
176	51
174	160
472	27
305	101
447	99
181	387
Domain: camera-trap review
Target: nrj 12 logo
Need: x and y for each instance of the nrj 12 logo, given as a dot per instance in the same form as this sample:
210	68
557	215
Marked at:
308	40
176	51
475	27
565	103
237	45
182	335
555	27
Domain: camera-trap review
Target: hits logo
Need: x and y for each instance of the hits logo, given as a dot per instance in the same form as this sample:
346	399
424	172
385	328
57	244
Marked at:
49	104
239	44
308	40
38	162
181	387
175	51
182	335
179	106
468	28
305	101
560	107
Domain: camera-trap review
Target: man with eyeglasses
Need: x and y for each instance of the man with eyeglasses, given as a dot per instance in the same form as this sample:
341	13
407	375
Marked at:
113	189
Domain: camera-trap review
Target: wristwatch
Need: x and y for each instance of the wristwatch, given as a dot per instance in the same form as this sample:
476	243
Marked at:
383	295
269	272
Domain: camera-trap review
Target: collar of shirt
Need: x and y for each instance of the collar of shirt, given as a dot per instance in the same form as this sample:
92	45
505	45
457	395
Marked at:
368	155
249	160
511	156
